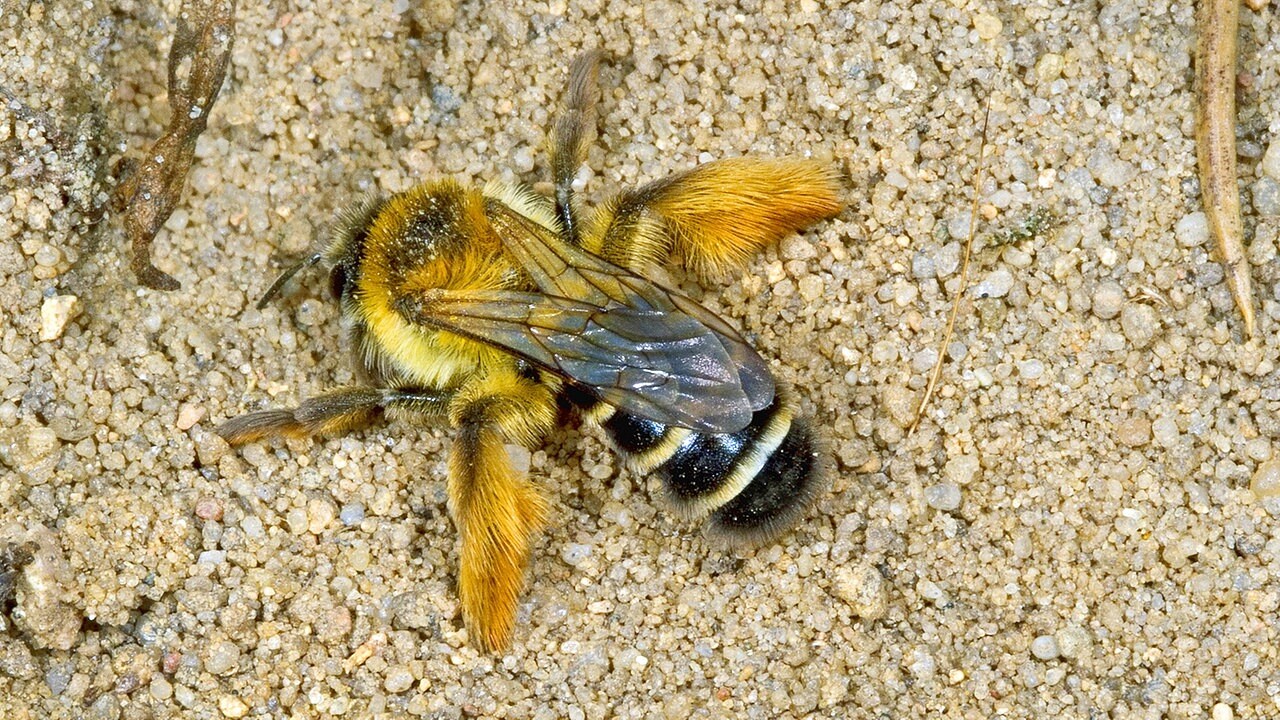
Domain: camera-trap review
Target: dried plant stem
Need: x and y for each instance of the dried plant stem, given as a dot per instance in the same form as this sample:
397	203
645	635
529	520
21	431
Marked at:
936	374
1216	144
197	66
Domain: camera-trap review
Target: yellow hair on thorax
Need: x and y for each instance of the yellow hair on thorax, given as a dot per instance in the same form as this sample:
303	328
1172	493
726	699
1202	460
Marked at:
435	236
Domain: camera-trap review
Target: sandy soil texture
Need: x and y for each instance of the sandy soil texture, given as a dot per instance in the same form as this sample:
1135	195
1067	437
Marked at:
1084	525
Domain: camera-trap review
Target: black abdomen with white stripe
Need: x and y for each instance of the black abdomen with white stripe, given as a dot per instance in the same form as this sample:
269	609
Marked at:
753	483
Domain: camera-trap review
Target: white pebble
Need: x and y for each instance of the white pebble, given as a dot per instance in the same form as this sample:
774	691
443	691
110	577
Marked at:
223	657
212	557
962	469
351	514
1266	480
996	284
1165	431
1045	647
1108	298
1072	641
1271	160
55	312
398	680
863	589
574	554
1266	196
905	77
1192	230
1140	324
1031	369
943	496
320	515
232	706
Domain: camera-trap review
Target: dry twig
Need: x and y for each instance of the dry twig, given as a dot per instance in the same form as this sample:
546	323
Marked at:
1216	144
197	65
936	374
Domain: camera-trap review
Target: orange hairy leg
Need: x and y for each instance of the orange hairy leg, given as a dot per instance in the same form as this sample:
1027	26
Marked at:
497	510
715	216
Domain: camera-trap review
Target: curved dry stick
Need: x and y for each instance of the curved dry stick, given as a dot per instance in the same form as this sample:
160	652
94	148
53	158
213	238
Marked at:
197	66
1216	144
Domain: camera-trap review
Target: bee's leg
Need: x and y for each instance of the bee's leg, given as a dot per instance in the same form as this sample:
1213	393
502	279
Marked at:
572	134
715	216
333	412
497	510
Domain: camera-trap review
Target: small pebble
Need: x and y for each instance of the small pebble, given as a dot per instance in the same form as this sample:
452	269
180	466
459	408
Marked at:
899	403
1140	324
55	312
961	469
252	526
320	515
1271	160
1266	480
1049	67
923	266
943	496
1134	432
1266	196
862	587
208	508
988	26
351	514
1072	641
41	442
161	689
398	679
1165	431
1031	369
1223	711
1192	230
1045	647
188	415
574	554
996	284
222	657
232	706
1108	299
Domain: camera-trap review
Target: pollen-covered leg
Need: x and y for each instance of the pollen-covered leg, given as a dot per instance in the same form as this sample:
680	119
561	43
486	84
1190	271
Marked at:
715	216
333	412
572	135
497	510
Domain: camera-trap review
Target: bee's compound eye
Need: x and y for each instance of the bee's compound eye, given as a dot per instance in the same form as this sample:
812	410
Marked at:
339	281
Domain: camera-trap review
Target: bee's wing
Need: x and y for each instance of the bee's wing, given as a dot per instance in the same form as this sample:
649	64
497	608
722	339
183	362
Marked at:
661	365
564	270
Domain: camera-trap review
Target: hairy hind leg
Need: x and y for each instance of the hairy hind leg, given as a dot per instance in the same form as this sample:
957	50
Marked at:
496	509
714	217
572	134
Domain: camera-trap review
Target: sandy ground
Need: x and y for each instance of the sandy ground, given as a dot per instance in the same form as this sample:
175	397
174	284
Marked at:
1080	527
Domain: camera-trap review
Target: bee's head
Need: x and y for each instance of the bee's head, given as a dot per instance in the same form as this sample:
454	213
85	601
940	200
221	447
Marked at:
346	243
341	252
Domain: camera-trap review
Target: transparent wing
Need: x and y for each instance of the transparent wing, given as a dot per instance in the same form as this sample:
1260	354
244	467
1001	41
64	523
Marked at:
662	365
564	270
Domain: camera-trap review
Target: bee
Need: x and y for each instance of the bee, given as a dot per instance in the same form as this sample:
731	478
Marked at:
494	308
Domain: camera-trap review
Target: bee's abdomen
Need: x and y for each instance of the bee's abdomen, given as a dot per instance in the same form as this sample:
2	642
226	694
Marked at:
752	484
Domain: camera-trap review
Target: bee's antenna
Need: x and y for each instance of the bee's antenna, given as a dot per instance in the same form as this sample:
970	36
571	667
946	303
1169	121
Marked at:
286	276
